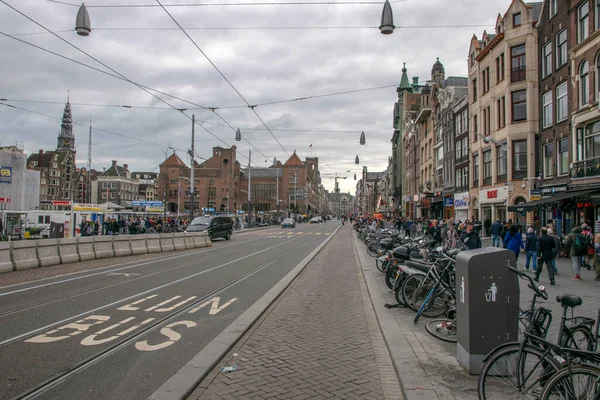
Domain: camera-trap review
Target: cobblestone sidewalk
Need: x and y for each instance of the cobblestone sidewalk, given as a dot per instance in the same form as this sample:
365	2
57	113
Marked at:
319	340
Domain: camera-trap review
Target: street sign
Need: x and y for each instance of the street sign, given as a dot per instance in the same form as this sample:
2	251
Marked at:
142	203
4	199
61	202
535	194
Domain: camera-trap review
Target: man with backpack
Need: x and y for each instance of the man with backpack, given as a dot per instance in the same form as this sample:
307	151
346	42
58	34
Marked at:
576	245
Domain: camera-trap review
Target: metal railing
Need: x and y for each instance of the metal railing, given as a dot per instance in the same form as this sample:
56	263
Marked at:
586	168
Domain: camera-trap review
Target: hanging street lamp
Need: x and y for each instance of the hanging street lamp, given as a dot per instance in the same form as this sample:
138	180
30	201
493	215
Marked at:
238	135
356	160
82	22
354	176
387	19
362	138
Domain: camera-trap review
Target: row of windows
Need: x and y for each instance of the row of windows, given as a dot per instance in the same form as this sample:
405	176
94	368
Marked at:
518	112
583	19
124	186
561	53
548	109
519	163
562	158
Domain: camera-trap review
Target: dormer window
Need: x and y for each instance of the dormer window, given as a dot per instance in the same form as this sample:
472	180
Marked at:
516	19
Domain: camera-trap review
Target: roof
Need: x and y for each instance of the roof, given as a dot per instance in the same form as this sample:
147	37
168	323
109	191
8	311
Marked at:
536	10
115	170
44	159
456	81
174	159
294	160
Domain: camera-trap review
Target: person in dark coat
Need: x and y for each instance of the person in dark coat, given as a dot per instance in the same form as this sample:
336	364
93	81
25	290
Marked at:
545	252
531	249
471	238
487	224
496	231
435	231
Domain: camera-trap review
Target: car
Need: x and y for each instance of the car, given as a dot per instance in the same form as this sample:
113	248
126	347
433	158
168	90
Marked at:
315	220
288	222
215	226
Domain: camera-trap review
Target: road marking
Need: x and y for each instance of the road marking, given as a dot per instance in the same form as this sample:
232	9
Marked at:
214	306
122	273
78	327
175	306
317	233
91	340
168	332
327	234
299	233
129	307
163	303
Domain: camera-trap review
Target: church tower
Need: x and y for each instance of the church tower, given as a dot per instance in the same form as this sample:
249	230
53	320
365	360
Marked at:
438	73
66	138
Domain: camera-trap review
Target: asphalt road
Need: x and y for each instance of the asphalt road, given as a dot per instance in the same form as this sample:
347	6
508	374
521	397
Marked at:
121	332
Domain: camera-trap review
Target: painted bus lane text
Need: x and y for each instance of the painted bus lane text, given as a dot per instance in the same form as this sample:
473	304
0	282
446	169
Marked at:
101	329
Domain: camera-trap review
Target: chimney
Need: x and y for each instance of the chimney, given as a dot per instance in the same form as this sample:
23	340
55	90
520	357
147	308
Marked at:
114	163
41	152
103	169
415	80
125	166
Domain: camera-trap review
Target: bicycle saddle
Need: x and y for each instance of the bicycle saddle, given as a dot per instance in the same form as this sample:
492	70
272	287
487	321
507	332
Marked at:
569	300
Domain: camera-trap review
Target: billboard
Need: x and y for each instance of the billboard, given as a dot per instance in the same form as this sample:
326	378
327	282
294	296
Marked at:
5	174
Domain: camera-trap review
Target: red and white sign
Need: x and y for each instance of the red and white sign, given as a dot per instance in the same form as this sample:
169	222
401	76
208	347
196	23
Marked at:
4	199
61	202
494	195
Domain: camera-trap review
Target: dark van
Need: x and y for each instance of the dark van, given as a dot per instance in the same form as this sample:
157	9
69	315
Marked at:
215	226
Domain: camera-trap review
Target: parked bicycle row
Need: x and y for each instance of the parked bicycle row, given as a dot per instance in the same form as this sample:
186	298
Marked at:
421	273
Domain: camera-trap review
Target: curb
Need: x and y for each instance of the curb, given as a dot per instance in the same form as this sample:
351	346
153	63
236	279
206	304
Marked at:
183	383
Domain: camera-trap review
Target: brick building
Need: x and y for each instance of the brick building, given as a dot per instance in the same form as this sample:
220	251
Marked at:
115	185
503	91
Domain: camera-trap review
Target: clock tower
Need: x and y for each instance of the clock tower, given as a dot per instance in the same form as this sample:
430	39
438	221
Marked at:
66	139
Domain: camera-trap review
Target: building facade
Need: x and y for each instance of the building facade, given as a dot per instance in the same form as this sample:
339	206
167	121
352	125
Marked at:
460	113
116	185
19	186
503	96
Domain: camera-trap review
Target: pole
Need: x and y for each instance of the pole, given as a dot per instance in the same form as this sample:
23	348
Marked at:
249	183
277	184
192	185
165	187
296	191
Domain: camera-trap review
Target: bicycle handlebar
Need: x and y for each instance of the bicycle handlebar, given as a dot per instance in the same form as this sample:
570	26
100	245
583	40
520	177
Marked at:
539	290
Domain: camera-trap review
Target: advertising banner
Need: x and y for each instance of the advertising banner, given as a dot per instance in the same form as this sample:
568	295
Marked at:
5	174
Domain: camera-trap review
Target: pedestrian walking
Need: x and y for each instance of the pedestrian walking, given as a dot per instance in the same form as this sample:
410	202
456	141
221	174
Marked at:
576	247
545	253
487	225
531	247
496	231
557	250
597	256
513	241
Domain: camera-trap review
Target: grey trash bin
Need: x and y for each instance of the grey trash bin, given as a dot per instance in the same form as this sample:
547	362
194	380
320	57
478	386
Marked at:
487	303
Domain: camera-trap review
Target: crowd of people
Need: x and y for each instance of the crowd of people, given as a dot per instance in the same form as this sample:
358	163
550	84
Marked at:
132	225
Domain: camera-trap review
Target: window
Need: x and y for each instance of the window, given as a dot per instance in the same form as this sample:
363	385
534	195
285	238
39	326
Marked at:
592	140
112	185
548	158
475	126
520	159
516	19
552	8
584	84
489	121
112	195
459	154
501	112
583	22
561	102
474	89
597	14
464	115
487	167
103	185
518	69
458	182
563	156
475	169
485	80
519	105
598	69
547	59
502	161
561	48
457	128
465	180
497	69
502	68
485	119
547	109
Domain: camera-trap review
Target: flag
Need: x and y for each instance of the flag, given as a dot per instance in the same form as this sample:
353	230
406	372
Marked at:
310	145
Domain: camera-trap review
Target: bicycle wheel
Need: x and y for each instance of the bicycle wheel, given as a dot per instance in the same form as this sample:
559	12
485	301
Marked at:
372	251
443	329
437	303
390	276
381	264
509	374
577	382
581	339
408	287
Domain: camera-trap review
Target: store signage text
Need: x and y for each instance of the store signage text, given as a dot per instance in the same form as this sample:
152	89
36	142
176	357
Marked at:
492	194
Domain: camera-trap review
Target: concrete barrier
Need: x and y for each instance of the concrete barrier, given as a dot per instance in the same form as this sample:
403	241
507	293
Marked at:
179	241
67	250
138	244
188	238
153	243
47	252
166	242
85	248
6	264
199	241
24	254
207	240
121	245
103	247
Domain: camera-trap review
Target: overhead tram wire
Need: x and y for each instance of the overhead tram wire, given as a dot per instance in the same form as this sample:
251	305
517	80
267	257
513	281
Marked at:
114	71
274	3
222	75
95	127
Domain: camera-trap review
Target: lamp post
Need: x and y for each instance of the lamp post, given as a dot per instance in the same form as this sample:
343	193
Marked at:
166	182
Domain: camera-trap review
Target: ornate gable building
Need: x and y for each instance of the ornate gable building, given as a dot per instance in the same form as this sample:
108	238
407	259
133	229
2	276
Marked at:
57	168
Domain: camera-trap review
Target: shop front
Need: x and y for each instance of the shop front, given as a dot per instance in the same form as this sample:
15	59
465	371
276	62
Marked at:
424	207
493	203
448	207
461	207
437	206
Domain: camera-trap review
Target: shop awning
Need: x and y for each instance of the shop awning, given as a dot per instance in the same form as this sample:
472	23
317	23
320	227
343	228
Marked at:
534	205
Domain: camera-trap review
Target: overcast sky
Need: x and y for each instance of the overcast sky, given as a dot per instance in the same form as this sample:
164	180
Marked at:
264	65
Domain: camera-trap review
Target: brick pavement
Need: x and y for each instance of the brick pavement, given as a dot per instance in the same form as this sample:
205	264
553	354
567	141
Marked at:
320	339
